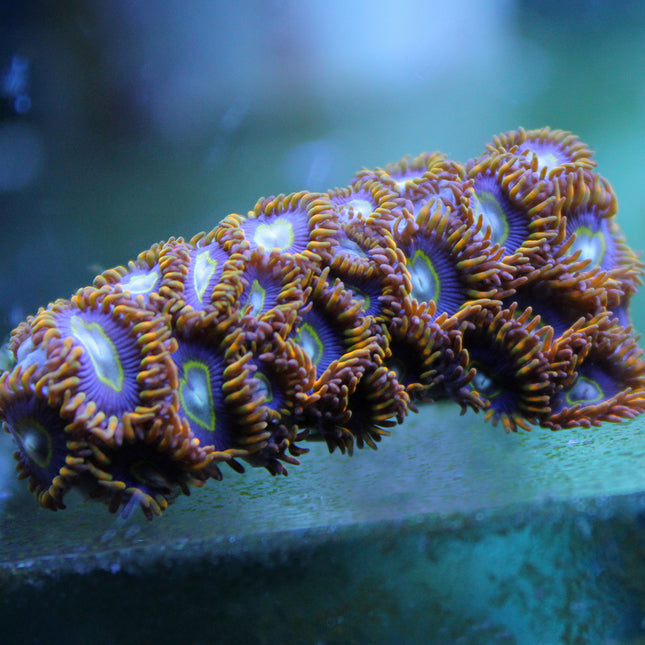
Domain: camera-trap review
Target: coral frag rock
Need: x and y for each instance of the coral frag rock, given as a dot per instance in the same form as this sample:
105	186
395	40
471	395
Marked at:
502	284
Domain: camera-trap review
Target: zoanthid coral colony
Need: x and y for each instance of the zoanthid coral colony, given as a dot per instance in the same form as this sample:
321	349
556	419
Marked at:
502	284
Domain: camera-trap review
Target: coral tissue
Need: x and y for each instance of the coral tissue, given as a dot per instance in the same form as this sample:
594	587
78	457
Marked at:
502	284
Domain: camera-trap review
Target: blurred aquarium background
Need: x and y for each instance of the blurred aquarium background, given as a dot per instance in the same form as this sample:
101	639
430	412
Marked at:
125	122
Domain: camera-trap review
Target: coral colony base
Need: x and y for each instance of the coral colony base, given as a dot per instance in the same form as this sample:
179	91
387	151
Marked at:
502	284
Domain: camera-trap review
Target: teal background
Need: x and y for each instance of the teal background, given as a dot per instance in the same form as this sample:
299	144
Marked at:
150	123
152	119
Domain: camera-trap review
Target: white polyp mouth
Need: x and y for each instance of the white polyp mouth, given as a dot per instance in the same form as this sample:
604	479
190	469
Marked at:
591	246
425	285
276	235
484	384
584	390
351	248
35	442
196	395
359	207
141	283
493	217
310	342
205	267
362	297
547	154
256	299
28	354
263	388
101	352
548	160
